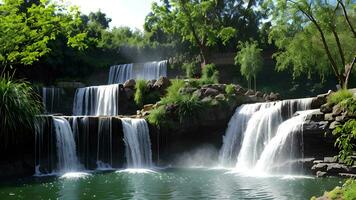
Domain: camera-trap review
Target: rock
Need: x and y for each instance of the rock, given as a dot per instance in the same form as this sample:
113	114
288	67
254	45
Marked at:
211	92
219	87
319	167
187	90
130	83
206	99
249	92
240	91
329	117
326	108
319	100
337	110
318	161
333	125
341	118
150	84
315	116
335	168
147	107
129	93
259	94
320	174
162	83
330	159
198	93
220	97
273	96
347	175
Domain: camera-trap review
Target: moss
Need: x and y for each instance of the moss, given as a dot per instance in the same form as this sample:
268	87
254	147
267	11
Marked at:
346	192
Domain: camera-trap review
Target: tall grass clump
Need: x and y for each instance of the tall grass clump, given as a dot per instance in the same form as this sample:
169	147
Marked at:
339	96
18	107
210	74
140	88
173	94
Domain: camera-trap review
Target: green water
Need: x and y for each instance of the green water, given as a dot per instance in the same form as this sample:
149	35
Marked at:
167	184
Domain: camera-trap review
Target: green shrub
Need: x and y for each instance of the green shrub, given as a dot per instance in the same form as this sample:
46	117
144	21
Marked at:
350	189
157	116
140	88
349	105
230	89
192	69
346	139
339	96
18	107
210	74
188	107
173	94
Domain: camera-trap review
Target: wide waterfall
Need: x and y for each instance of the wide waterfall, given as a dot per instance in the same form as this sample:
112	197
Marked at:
253	127
279	153
120	73
51	98
146	71
97	100
66	148
138	143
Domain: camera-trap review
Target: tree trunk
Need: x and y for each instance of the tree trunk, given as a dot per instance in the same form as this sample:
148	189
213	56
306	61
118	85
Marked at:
347	73
255	83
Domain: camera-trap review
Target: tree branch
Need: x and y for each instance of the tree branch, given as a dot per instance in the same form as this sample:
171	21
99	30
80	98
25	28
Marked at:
347	17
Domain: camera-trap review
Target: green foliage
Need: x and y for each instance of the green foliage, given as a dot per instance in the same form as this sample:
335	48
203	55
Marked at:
210	74
339	96
249	58
346	192
18	108
346	139
188	106
140	88
157	116
27	29
313	37
192	69
230	89
173	94
349	105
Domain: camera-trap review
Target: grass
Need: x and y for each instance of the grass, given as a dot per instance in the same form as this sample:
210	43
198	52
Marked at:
346	192
18	107
339	96
140	88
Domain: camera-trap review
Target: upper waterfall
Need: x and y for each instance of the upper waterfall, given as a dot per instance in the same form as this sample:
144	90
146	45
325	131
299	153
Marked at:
146	71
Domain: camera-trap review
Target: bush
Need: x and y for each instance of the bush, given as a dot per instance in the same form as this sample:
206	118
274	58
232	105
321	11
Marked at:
210	74
157	116
140	88
349	105
339	96
230	89
19	106
173	94
347	191
346	139
188	107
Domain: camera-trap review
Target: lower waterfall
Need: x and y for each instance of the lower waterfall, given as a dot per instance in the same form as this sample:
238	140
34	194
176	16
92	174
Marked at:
138	143
253	127
66	148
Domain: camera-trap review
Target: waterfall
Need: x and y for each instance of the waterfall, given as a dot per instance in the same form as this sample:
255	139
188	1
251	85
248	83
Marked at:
253	127
97	100
120	73
234	132
138	144
66	149
152	70
51	98
283	148
145	71
104	151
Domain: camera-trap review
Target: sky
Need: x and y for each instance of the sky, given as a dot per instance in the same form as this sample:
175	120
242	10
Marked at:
129	13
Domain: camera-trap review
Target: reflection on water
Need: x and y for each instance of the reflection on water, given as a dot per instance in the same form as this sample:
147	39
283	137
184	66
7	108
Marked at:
166	184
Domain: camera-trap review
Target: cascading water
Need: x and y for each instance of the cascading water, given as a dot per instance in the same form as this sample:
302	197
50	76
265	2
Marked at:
145	71
263	120
104	159
66	149
97	100
51	98
120	73
234	132
279	153
138	144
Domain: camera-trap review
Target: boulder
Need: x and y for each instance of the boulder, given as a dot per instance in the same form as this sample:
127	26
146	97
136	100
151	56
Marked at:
329	117
333	125
151	83
162	83
326	108
187	90
330	159
337	110
316	116
130	83
273	96
335	168
319	167
148	107
211	92
320	174
319	101
249	92
259	94
199	93
129	93
220	97
240	91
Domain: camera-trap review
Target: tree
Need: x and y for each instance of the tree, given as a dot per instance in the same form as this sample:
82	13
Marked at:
195	21
250	60
314	37
27	27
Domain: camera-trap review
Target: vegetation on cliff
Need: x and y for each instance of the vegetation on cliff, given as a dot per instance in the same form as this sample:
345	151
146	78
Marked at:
346	192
